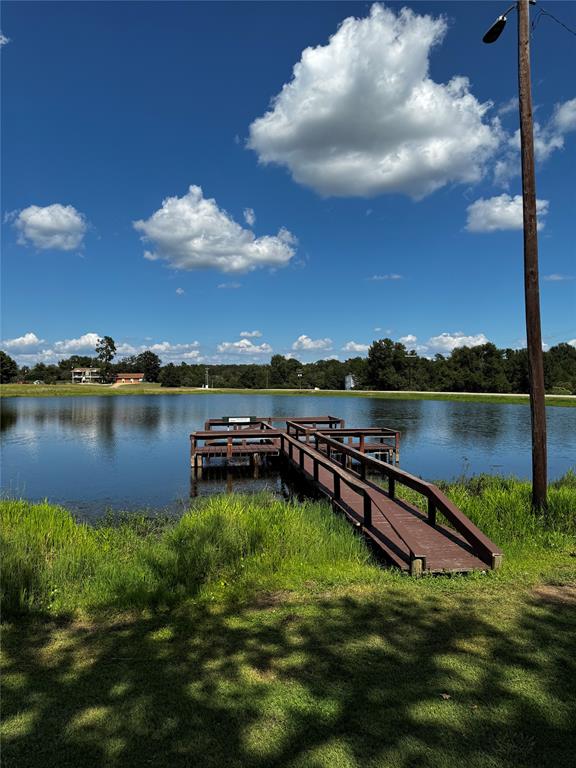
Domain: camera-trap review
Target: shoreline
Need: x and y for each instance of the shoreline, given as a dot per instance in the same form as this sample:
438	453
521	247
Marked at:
83	390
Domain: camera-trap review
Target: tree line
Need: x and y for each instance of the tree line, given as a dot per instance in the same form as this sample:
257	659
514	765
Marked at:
389	365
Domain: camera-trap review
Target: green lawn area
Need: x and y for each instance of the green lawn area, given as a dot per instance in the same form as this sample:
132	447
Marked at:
78	390
263	634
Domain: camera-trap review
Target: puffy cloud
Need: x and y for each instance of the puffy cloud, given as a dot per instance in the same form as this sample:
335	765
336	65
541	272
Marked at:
54	227
548	138
229	286
572	342
443	343
249	216
23	343
564	117
85	344
166	348
509	106
392	276
180	291
556	278
447	342
250	334
244	347
501	212
362	116
352	346
306	343
4	40
192	232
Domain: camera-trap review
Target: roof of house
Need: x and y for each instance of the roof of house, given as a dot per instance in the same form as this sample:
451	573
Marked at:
85	370
130	375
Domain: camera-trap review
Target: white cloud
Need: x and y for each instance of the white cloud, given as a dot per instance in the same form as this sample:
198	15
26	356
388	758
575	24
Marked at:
249	216
192	232
352	346
408	340
180	291
548	138
305	342
250	334
85	344
556	278
23	343
564	117
572	342
229	286
54	227
500	213
447	342
166	351
392	276
4	40
362	116
244	347
509	106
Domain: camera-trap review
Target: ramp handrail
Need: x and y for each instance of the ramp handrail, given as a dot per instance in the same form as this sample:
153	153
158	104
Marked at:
436	499
417	557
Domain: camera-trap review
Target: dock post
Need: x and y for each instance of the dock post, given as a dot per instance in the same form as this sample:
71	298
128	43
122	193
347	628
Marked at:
367	510
416	567
431	512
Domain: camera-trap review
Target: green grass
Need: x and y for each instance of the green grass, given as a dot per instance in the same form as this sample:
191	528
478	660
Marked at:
235	544
259	634
77	390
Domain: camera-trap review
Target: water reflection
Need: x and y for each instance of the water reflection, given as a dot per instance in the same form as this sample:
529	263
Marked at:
95	453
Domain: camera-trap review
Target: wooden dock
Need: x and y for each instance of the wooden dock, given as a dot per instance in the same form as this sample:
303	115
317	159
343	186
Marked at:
347	466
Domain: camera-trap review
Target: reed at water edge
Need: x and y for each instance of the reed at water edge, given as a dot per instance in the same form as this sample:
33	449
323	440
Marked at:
237	546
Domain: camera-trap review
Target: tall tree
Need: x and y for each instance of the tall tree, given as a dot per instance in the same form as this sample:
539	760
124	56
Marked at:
149	364
8	368
105	351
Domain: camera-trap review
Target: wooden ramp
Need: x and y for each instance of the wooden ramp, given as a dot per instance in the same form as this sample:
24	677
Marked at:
440	540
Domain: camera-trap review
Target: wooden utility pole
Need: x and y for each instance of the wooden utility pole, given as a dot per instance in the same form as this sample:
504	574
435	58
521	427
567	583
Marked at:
531	287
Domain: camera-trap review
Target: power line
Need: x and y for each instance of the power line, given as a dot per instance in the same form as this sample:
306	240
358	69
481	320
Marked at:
544	12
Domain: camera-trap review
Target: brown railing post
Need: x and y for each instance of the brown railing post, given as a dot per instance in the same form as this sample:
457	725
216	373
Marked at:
315	470
229	447
301	458
391	487
336	486
367	510
431	511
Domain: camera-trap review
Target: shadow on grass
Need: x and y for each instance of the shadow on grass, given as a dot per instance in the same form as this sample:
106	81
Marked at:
340	681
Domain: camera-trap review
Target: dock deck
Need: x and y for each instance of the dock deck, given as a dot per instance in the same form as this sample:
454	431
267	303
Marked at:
345	465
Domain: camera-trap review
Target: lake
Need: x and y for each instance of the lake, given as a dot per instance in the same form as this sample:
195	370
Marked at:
132	452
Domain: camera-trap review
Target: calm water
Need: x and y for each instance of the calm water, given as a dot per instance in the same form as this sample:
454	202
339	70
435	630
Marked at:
96	453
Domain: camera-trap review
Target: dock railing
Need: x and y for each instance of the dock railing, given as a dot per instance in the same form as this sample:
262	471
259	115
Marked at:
436	500
387	439
297	451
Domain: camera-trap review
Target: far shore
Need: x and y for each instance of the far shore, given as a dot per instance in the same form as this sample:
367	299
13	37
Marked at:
79	390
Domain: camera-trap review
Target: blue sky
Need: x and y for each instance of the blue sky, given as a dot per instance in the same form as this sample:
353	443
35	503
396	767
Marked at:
153	190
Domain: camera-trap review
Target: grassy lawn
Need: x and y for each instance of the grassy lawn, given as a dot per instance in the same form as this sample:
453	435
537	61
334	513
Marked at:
259	633
71	390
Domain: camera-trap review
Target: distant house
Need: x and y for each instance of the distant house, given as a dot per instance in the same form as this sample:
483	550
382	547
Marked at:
129	378
85	375
349	382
